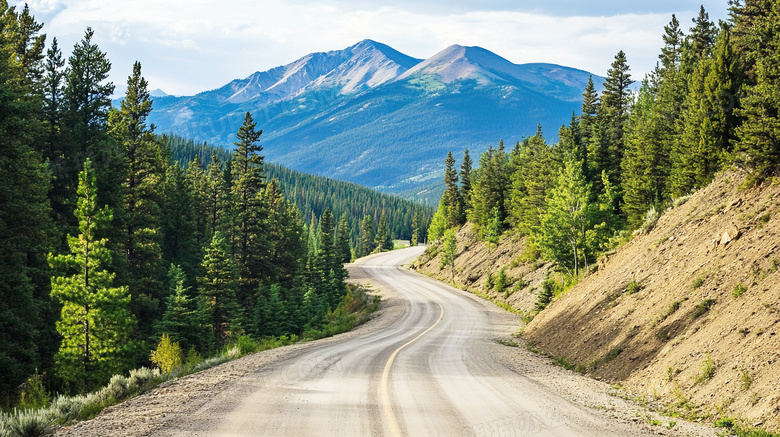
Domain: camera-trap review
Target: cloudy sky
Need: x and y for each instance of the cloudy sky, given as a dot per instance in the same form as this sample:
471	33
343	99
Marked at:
187	46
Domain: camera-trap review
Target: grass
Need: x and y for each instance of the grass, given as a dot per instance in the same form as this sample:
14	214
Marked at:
509	343
633	287
702	307
738	290
747	380
671	309
708	370
613	353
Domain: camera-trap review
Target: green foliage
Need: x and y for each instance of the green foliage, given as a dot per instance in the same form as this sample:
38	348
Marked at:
668	311
449	249
95	322
34	395
546	295
708	369
633	287
501	281
168	355
738	290
702	307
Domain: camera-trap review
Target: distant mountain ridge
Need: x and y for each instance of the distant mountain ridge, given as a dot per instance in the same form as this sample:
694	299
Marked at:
372	115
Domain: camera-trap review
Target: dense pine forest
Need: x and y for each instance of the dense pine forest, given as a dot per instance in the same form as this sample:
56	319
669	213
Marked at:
114	237
314	194
712	102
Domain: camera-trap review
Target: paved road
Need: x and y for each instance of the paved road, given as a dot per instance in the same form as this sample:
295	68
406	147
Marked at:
425	371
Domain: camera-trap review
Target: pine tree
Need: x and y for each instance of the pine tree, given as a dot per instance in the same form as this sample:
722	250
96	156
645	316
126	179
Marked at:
454	207
759	134
561	235
141	210
367	244
180	319
673	40
217	290
27	337
383	239
587	120
95	323
342	241
465	183
702	34
251	212
614	112
87	98
533	177
415	229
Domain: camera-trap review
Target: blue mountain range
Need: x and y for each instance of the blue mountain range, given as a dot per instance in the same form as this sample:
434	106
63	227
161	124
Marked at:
374	116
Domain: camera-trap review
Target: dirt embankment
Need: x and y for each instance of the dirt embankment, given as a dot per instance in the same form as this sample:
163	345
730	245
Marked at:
701	332
686	315
475	262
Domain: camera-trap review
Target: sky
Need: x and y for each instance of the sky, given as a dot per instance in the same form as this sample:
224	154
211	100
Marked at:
189	46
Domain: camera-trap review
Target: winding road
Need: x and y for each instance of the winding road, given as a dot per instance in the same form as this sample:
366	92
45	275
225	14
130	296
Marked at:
425	370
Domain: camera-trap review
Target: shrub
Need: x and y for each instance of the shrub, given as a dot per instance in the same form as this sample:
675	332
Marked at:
613	353
26	423
707	370
34	394
501	280
738	290
246	345
702	307
489	282
671	309
651	218
546	295
168	356
633	287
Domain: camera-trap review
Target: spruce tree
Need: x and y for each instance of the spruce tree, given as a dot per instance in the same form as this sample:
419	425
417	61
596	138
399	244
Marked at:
95	322
251	211
144	171
342	241
465	183
27	337
180	319
614	112
759	134
367	244
217	290
454	207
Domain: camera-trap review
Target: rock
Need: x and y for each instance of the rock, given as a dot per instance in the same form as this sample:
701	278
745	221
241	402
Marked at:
730	234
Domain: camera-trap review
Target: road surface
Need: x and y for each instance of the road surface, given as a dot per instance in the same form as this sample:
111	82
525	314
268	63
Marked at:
425	370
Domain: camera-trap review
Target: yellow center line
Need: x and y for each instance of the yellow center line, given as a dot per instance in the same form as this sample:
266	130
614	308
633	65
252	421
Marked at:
384	388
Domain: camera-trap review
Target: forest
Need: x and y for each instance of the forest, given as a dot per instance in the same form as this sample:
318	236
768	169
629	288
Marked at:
711	103
116	239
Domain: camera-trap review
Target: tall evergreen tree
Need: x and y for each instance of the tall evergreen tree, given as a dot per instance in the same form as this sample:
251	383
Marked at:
614	112
454	207
465	183
367	244
342	241
251	212
95	323
759	134
217	290
27	339
144	172
180	319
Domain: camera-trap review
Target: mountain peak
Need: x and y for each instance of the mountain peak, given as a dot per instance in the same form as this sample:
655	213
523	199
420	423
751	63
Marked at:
458	62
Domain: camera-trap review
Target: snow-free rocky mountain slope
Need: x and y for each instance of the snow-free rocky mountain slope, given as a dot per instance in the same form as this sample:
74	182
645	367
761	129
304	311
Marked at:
372	115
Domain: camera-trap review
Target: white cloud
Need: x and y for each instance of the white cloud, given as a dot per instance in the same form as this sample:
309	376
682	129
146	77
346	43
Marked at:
194	45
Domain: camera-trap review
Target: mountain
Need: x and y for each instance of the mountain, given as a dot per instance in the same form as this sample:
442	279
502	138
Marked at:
371	115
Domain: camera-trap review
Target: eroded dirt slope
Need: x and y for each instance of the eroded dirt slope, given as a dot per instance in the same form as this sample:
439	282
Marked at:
474	262
701	334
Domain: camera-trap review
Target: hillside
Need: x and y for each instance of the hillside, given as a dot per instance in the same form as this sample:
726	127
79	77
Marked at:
313	194
700	336
371	115
722	242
